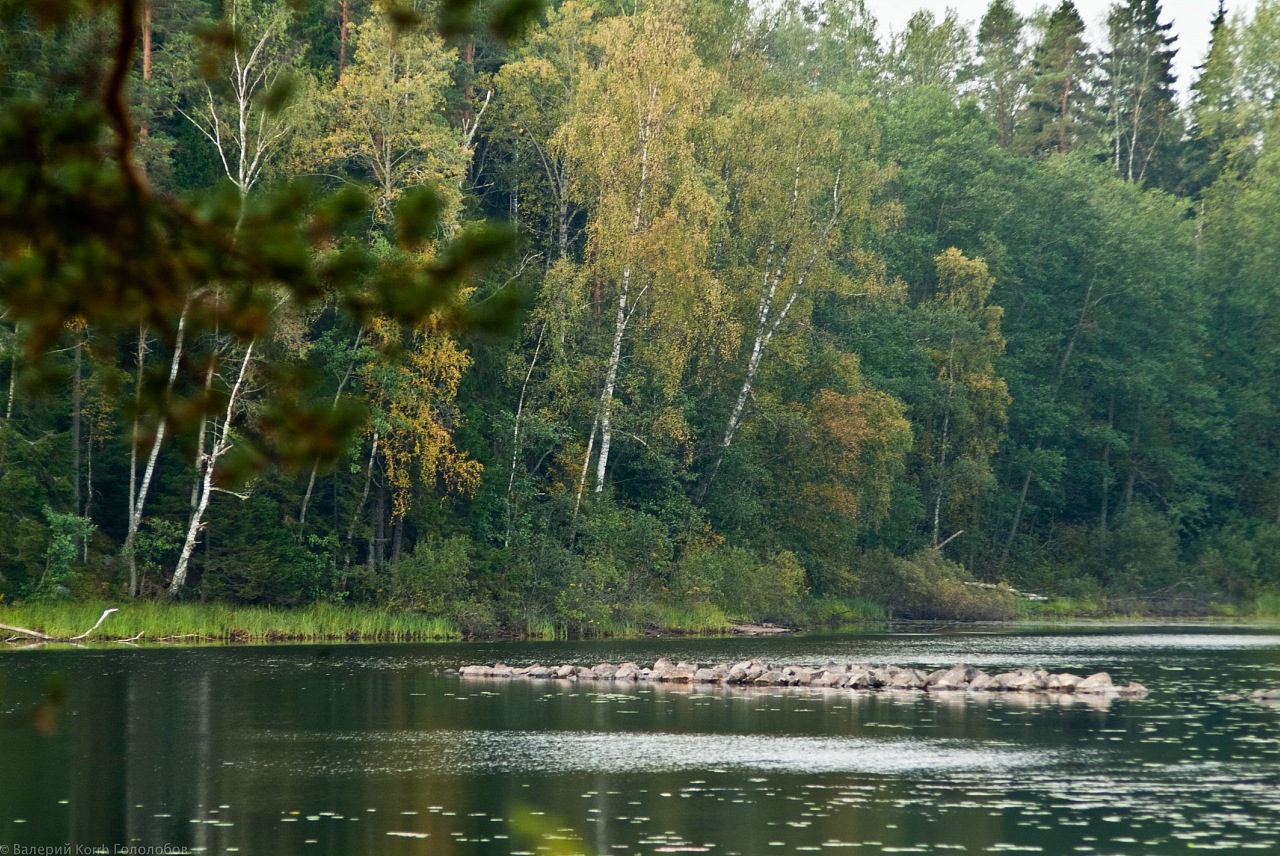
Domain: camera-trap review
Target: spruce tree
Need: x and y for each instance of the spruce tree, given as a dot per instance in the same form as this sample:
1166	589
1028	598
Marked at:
1213	111
1001	67
1138	87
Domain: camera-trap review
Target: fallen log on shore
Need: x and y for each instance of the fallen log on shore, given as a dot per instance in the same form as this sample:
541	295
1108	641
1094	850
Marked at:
833	675
42	638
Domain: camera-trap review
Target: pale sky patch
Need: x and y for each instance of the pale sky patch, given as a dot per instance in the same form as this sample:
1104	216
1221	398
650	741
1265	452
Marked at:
1191	22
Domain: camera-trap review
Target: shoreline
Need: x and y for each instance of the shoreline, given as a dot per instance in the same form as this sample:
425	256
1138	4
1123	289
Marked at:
158	623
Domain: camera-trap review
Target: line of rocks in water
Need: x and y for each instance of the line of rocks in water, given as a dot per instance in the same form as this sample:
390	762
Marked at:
856	676
1270	697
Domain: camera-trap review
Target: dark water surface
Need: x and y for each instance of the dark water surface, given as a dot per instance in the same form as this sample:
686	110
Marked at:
368	749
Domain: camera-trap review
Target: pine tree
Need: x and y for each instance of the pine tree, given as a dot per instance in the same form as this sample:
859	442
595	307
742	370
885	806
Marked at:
1058	116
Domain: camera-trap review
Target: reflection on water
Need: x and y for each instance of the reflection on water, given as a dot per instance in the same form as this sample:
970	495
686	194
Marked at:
372	750
552	752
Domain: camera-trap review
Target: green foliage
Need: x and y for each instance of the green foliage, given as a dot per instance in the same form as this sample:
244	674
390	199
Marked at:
1267	606
837	612
427	579
802	302
926	586
66	532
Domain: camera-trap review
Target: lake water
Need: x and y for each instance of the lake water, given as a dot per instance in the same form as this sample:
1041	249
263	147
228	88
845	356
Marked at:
369	749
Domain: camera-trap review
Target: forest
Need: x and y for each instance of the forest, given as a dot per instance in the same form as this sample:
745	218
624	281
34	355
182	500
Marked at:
599	314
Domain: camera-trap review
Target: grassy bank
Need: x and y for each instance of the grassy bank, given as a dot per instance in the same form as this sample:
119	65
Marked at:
152	621
155	621
162	622
1265	607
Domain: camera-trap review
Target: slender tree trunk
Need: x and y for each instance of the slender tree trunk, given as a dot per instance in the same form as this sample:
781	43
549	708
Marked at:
133	464
562	216
135	512
315	465
1103	521
624	316
77	403
768	321
143	127
13	386
515	440
586	465
342	39
364	495
1133	465
377	545
942	469
218	448
146	39
88	490
1062	122
610	380
397	540
203	431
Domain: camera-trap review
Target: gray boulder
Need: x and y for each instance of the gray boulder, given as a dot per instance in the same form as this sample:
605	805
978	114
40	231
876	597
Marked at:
711	675
679	674
955	678
1098	683
1024	681
982	682
906	679
1063	683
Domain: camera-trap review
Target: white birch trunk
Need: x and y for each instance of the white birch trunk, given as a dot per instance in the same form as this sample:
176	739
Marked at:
769	320
624	316
364	496
586	465
515	439
13	387
611	379
216	451
133	466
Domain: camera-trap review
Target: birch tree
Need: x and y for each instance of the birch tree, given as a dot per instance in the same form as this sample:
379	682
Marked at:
389	129
629	142
803	181
415	416
1138	84
222	440
245	115
535	93
240	108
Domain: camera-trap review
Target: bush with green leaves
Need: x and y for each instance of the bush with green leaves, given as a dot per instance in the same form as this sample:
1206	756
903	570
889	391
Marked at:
929	586
66	533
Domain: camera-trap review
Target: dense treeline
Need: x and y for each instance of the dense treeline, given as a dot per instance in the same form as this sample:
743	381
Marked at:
811	314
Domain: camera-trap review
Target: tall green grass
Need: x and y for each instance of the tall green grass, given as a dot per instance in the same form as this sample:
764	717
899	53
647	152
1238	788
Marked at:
1058	608
1267	605
151	621
833	612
